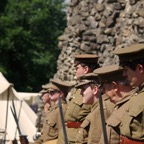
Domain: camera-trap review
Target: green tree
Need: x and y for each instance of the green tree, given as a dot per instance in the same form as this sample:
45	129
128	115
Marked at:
28	41
2	5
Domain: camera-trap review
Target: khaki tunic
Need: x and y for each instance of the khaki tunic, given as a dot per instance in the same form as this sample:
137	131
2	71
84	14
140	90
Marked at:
52	124
114	121
133	121
91	128
76	112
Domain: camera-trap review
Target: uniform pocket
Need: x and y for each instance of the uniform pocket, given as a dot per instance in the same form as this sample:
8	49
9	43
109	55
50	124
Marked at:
85	124
83	132
52	124
52	130
136	111
113	121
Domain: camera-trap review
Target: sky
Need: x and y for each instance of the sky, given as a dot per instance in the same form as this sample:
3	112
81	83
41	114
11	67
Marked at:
67	1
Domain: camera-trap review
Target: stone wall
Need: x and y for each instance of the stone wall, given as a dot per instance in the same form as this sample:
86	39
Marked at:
99	27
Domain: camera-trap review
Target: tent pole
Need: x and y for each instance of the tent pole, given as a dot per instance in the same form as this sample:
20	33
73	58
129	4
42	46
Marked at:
8	95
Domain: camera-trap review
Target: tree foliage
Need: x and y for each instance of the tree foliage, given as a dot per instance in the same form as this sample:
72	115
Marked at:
28	41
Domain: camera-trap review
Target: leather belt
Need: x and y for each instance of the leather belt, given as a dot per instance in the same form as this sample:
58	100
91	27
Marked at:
71	124
125	140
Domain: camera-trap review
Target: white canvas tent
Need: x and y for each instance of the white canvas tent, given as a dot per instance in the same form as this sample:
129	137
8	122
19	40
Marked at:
30	98
25	114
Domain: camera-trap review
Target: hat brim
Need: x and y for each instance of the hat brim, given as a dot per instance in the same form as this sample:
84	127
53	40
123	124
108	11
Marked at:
81	84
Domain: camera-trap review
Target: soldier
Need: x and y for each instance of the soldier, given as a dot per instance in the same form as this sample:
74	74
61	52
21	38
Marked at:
43	107
119	92
132	125
91	128
77	111
45	97
52	123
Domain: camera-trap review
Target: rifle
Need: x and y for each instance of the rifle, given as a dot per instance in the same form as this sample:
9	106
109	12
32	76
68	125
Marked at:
102	117
62	120
23	138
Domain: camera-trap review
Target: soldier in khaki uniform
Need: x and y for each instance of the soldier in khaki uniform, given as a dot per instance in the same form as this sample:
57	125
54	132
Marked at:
52	123
132	126
119	91
77	111
43	107
91	128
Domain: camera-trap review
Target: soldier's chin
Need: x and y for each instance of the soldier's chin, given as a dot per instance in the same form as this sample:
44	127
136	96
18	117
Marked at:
76	77
85	102
52	100
112	101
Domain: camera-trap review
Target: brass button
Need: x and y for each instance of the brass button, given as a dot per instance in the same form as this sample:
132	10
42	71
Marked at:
136	94
127	110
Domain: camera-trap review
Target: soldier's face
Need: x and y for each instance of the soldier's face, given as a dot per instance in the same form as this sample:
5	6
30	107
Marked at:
110	90
87	93
54	96
81	70
134	77
45	97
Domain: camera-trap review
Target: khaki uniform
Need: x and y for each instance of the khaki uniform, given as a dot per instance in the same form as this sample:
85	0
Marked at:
133	121
114	121
76	112
52	124
51	142
91	128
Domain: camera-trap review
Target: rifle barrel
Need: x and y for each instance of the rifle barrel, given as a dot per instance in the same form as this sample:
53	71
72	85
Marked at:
16	120
103	118
62	120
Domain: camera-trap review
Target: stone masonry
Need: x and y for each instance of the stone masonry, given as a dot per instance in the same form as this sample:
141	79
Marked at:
99	27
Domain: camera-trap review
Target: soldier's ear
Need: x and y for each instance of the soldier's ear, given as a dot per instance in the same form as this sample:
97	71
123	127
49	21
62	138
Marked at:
61	94
86	68
95	90
140	68
114	86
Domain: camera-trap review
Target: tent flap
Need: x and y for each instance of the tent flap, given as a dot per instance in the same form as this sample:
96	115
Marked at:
26	116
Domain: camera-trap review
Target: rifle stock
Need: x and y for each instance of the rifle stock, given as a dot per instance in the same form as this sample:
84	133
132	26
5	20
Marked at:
23	139
14	141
